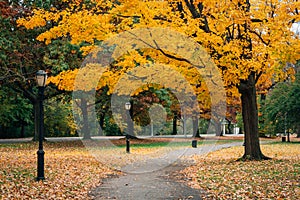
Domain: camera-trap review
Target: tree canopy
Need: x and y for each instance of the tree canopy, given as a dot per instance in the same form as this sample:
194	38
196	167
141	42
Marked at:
249	41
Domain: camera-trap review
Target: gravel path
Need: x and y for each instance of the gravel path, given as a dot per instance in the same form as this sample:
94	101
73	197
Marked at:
153	179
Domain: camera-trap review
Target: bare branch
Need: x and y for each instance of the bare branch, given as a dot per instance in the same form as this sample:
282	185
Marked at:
260	37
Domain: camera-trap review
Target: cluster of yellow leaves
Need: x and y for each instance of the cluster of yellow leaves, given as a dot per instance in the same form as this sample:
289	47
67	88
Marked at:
70	172
225	178
79	23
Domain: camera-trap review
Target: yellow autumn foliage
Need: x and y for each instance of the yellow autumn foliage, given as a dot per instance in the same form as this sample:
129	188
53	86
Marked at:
242	38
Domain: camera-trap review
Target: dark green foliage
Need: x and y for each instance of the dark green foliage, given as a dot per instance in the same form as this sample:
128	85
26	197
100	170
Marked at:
15	114
283	107
203	125
110	127
58	118
62	56
21	56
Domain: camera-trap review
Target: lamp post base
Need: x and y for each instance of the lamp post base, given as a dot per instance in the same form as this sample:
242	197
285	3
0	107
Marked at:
127	144
40	167
40	178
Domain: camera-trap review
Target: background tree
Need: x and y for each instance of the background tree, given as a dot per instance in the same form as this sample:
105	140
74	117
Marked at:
282	107
22	55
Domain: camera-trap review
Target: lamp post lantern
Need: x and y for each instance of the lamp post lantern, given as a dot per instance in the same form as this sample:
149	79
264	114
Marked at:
127	107
41	78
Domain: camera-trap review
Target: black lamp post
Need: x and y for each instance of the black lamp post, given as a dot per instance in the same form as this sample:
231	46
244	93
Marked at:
127	107
41	77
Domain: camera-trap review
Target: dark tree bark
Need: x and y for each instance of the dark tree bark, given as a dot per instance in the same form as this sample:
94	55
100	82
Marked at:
85	128
218	129
196	132
288	137
101	124
174	125
250	118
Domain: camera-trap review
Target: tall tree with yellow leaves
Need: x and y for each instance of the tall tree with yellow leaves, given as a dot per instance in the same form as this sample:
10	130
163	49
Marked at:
250	41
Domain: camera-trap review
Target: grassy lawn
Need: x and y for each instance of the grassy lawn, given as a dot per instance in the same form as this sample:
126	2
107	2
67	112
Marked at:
172	143
225	178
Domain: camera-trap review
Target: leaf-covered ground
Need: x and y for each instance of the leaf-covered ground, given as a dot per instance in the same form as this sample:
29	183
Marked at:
70	171
225	178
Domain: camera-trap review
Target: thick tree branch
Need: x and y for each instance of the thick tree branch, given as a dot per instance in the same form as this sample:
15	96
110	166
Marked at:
192	8
169	55
258	76
31	96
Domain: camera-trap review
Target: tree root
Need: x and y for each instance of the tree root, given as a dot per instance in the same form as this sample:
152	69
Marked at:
252	158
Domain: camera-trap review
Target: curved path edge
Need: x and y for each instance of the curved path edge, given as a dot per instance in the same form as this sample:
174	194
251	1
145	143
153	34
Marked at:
145	184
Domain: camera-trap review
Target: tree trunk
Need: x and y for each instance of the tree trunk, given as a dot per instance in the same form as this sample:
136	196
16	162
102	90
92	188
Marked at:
218	129
184	125
174	125
101	124
196	132
250	118
85	131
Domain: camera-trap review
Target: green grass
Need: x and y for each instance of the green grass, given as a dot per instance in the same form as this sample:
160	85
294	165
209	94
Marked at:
17	145
285	143
78	144
178	144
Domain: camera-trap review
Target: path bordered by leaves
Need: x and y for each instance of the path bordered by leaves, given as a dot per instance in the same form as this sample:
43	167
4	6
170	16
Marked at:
71	172
154	179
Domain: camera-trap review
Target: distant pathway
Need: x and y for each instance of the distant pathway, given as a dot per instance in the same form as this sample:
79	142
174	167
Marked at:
153	179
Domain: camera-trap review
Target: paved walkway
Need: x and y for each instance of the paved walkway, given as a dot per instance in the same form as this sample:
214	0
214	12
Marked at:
154	179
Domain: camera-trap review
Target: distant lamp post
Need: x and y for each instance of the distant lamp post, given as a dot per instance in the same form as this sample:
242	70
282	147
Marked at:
41	78
127	107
